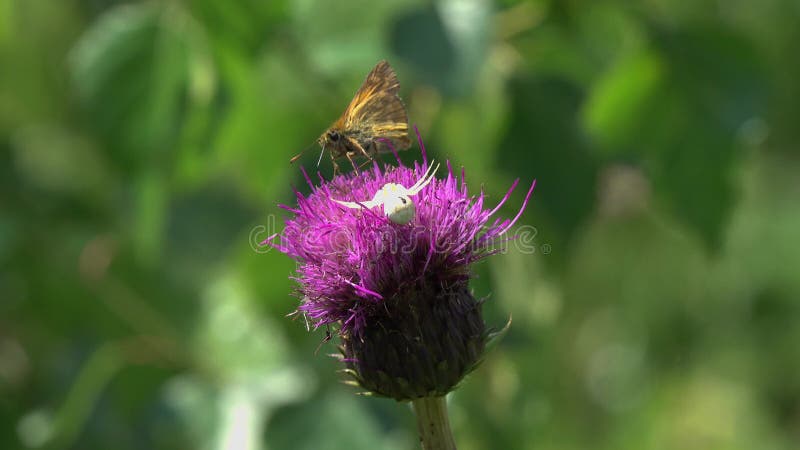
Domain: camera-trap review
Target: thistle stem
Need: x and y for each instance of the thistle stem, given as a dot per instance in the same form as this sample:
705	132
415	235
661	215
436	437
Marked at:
433	424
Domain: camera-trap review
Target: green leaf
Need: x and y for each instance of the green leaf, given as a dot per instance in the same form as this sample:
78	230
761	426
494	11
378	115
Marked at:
130	71
543	141
620	99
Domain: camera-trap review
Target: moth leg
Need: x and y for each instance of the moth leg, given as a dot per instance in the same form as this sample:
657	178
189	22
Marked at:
367	152
335	165
355	144
352	163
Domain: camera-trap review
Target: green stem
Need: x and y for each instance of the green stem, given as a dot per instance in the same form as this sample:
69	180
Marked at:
432	423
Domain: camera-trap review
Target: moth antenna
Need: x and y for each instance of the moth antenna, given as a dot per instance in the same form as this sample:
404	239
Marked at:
297	156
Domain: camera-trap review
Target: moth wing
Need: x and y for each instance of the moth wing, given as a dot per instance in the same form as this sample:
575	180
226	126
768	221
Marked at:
376	109
380	80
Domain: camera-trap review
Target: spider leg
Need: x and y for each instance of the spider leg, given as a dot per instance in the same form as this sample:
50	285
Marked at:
377	199
368	205
352	205
425	180
428	179
418	185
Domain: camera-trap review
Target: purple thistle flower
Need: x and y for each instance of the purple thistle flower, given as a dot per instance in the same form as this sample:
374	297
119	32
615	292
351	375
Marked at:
398	293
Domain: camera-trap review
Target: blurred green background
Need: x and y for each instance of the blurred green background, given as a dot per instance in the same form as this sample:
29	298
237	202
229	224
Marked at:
144	146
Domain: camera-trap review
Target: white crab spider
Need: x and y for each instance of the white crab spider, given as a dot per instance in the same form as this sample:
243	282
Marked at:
396	199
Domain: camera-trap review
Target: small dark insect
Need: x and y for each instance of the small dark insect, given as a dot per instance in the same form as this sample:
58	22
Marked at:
375	119
328	337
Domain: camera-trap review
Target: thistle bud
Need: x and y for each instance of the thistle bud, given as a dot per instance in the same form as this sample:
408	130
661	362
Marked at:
422	345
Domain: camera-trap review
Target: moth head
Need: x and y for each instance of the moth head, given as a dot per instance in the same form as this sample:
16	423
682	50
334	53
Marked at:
332	136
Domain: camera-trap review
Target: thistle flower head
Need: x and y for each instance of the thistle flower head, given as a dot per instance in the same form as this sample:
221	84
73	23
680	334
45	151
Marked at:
397	290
